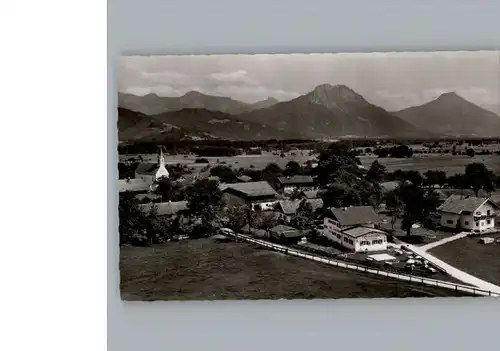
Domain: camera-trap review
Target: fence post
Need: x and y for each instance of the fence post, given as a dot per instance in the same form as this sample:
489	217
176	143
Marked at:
489	293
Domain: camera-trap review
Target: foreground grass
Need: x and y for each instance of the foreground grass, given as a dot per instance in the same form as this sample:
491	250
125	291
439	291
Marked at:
208	270
467	254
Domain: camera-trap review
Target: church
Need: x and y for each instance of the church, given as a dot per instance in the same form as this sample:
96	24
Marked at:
151	172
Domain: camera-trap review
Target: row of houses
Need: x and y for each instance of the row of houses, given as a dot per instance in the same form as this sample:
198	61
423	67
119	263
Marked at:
356	228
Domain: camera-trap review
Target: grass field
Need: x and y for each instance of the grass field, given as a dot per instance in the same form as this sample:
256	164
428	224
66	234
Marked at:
207	270
449	163
472	257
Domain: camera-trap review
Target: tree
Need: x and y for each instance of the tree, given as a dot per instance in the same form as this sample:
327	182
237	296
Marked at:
470	152
478	177
432	178
170	190
414	177
293	168
340	195
267	221
337	157
304	218
394	205
376	172
225	174
417	207
239	216
205	203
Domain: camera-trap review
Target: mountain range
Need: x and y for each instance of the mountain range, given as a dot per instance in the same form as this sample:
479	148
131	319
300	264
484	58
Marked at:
451	114
153	104
325	112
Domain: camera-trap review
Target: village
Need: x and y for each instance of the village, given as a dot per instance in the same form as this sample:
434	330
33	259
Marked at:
328	208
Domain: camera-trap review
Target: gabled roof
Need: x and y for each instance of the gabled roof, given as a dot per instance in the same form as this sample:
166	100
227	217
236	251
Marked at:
297	179
357	232
286	231
132	185
251	189
355	215
311	194
291	206
457	204
147	168
147	196
166	208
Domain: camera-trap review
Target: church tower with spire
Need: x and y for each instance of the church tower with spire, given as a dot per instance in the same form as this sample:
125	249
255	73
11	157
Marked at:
162	171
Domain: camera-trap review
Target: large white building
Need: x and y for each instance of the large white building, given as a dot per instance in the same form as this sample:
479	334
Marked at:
355	228
476	214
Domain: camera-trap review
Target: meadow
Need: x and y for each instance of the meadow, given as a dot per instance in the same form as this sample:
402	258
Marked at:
447	162
205	269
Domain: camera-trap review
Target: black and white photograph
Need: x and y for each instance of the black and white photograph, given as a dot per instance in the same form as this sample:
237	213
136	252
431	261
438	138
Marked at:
309	176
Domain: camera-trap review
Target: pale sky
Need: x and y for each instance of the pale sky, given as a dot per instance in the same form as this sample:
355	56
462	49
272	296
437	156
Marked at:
390	80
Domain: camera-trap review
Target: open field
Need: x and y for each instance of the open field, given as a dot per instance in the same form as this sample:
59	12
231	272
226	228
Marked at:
208	270
472	257
449	163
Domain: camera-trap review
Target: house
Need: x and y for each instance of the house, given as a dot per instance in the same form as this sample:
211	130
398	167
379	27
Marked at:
251	193
285	234
355	228
166	208
476	214
133	186
298	182
288	208
151	172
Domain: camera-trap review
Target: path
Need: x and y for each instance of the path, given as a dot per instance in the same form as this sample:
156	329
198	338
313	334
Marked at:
455	272
444	241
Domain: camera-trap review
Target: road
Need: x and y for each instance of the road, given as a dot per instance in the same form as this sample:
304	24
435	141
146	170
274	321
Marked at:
453	271
444	241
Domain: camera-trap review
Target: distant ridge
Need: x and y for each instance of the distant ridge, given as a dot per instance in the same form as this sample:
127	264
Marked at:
152	104
451	114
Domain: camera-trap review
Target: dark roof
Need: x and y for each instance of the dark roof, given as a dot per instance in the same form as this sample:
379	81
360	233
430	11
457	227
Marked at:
251	189
310	194
132	185
147	168
357	232
458	204
355	215
291	206
166	208
286	231
297	179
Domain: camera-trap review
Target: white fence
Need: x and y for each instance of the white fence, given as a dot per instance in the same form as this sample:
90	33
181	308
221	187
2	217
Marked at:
404	277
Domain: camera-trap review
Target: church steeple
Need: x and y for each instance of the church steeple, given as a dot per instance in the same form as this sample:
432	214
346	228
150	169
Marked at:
161	159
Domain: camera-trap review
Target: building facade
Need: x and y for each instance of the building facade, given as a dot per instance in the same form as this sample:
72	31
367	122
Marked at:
355	228
468	213
252	193
299	182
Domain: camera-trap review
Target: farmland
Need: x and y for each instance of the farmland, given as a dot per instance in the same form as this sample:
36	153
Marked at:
208	270
449	163
472	257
